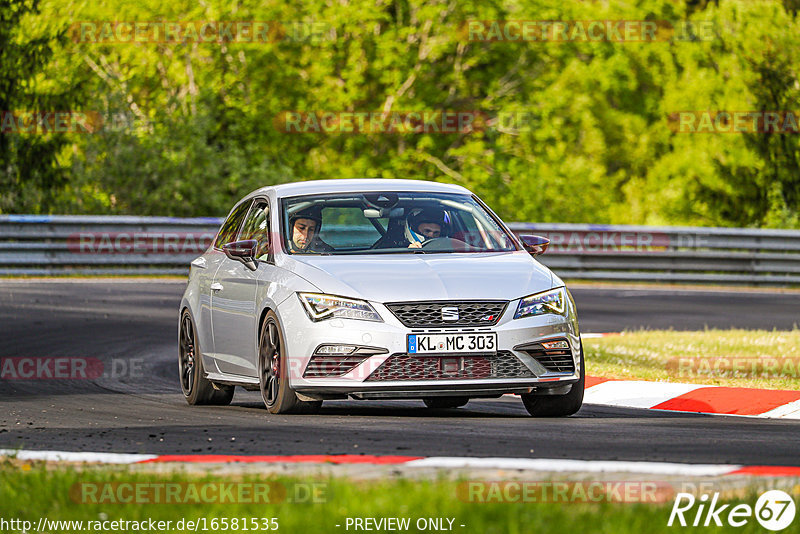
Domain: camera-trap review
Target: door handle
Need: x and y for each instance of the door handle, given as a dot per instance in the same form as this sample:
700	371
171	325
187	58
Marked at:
216	286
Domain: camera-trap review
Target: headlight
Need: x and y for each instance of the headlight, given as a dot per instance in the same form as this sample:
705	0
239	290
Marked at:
320	307
552	301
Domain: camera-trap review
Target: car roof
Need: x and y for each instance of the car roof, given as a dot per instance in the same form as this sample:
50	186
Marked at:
360	185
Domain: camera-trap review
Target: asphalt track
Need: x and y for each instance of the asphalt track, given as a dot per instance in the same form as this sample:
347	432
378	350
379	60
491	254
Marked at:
133	324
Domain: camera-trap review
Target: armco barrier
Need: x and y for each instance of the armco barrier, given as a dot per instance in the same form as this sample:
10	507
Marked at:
65	244
52	245
670	254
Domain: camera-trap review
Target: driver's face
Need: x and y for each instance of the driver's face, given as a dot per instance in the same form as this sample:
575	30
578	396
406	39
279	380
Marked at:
303	232
430	230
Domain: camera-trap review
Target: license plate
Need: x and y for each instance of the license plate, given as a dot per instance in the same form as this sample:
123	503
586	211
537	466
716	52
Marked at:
452	343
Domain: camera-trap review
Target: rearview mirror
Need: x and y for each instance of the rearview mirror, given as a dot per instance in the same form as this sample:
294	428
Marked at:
243	251
534	244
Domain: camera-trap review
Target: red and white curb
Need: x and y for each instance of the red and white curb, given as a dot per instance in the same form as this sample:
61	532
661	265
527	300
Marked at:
595	335
441	462
694	398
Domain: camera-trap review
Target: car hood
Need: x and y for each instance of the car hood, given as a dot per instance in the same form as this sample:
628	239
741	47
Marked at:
401	277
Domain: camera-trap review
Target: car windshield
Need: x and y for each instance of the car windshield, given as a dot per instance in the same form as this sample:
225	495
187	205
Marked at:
390	223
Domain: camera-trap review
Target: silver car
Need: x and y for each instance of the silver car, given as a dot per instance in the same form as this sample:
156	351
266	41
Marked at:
376	289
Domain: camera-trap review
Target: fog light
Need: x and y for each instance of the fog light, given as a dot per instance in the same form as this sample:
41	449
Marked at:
550	345
340	350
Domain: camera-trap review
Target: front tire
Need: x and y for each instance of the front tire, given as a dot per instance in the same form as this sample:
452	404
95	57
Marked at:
439	403
558	405
197	390
273	372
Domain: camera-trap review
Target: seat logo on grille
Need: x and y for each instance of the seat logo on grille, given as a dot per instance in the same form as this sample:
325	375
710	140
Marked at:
450	313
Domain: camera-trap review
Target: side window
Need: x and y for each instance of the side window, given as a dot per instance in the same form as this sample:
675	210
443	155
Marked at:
256	226
227	232
482	232
473	234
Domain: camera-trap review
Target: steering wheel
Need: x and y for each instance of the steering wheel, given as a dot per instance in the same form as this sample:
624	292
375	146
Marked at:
448	244
434	241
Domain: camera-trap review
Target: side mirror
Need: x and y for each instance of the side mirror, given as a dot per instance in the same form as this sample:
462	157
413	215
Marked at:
534	244
243	251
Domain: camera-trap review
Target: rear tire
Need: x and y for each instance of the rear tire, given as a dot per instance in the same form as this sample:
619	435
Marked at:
197	390
558	405
273	372
438	403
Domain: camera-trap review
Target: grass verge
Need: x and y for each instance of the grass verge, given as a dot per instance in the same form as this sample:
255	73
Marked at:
736	358
33	492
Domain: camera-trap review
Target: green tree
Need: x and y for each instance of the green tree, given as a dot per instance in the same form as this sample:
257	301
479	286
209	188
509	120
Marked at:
31	164
577	132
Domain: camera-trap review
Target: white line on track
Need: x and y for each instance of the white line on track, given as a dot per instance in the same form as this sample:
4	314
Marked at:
583	466
787	411
532	464
84	457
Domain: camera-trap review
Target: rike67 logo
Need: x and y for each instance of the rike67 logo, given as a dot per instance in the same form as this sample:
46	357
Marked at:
774	510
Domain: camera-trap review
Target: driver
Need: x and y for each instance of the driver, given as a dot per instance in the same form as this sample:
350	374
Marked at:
425	224
304	227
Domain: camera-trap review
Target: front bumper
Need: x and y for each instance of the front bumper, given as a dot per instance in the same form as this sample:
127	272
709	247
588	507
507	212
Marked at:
302	337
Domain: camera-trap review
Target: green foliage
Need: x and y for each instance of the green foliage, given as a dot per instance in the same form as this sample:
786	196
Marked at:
736	179
30	166
584	134
323	504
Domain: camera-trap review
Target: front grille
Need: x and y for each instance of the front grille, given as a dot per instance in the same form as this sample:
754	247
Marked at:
429	314
556	360
325	366
412	367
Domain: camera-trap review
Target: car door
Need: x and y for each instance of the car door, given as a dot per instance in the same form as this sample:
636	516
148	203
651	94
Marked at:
234	312
207	265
